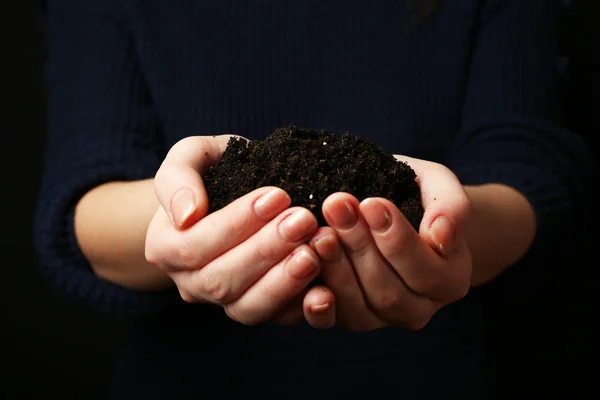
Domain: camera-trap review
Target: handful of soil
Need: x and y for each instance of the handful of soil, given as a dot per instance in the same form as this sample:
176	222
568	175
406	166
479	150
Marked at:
310	166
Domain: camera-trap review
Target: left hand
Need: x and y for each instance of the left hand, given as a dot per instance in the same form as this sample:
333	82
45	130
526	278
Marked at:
380	270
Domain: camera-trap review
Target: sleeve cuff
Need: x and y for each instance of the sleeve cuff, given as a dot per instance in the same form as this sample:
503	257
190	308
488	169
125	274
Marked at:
59	255
558	198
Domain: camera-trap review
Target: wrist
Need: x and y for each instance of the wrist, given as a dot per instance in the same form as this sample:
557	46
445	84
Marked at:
111	221
499	230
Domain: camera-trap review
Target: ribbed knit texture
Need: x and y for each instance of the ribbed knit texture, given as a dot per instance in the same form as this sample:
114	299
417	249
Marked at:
476	87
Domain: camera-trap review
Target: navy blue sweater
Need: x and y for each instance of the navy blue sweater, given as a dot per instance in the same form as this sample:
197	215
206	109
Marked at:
476	86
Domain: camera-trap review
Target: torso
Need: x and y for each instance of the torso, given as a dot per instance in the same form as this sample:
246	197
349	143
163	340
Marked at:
252	66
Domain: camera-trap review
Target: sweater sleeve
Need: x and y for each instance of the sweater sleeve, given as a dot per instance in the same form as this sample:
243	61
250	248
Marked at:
512	134
101	127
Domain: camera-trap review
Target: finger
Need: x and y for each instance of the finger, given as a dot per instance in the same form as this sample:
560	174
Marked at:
338	274
276	288
421	269
218	232
341	211
228	276
386	294
319	307
445	201
178	184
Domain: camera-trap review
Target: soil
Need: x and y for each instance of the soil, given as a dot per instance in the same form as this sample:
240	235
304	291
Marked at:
310	165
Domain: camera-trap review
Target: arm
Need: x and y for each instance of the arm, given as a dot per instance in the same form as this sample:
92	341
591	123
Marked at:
512	137
102	128
513	221
111	222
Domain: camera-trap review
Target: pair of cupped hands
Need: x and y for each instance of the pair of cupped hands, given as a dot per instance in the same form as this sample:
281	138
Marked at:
257	257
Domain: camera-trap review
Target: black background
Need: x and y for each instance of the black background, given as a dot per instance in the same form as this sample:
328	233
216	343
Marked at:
51	350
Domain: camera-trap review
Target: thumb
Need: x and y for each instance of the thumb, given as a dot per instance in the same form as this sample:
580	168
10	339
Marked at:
178	182
445	201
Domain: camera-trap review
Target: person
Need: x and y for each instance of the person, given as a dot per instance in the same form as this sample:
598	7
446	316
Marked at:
143	98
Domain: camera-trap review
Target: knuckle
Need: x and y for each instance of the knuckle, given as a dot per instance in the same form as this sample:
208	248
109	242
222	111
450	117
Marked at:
164	174
424	285
151	255
185	254
243	318
215	288
153	252
235	224
417	324
153	260
442	168
188	298
264	251
386	302
231	313
181	144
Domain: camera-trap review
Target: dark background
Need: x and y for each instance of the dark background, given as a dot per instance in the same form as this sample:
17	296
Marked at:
52	350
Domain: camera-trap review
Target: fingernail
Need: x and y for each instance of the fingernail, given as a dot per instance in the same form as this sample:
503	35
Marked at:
442	234
183	204
298	225
271	204
327	247
378	217
344	217
319	308
301	265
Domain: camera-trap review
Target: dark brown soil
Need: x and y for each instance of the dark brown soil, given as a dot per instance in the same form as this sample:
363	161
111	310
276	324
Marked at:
311	165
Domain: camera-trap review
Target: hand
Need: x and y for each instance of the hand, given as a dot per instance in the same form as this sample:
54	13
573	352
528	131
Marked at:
250	257
384	273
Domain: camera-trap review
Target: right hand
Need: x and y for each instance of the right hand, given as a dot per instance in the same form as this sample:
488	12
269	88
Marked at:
250	257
